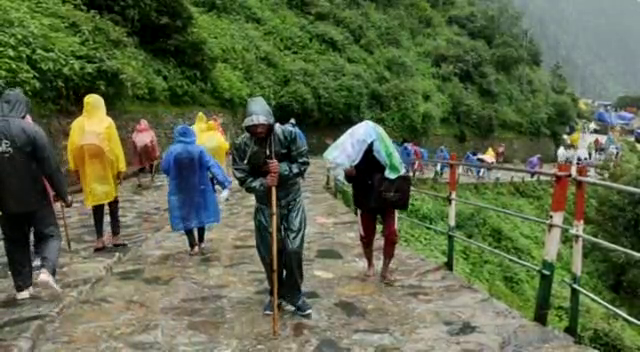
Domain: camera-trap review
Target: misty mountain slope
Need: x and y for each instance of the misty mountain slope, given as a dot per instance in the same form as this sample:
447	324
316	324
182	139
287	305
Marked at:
596	41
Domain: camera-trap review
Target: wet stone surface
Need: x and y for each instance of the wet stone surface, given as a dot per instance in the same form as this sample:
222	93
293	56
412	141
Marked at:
159	299
142	216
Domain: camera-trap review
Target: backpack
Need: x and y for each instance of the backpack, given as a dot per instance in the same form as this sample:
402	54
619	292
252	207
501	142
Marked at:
93	146
392	193
143	140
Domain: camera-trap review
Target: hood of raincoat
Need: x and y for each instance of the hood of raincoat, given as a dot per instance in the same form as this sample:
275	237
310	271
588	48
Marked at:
184	134
14	104
94	107
143	126
258	112
201	120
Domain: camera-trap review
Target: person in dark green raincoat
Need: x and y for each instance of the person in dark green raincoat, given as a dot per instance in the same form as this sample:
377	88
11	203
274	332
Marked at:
256	170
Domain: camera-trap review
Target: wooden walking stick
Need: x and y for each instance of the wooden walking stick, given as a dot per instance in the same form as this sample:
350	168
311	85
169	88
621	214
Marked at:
274	252
66	228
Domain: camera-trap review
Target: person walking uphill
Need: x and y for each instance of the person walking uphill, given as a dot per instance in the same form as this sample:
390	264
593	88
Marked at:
271	155
362	178
145	146
27	158
192	197
95	155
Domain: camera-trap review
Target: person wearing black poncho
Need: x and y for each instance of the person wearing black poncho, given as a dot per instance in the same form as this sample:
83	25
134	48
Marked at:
272	155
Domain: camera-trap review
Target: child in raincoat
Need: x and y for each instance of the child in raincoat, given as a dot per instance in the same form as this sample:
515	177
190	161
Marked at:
95	154
145	145
192	197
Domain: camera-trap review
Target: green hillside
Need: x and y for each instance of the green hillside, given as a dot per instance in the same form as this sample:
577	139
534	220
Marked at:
418	66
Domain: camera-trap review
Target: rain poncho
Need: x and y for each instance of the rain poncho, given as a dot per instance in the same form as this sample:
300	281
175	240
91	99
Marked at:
561	155
301	136
471	158
214	143
534	162
574	139
199	126
349	148
407	155
192	197
46	184
488	157
442	154
218	123
145	144
95	151
250	156
425	154
26	157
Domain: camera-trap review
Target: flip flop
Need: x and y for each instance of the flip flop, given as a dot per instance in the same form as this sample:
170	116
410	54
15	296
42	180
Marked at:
99	249
120	245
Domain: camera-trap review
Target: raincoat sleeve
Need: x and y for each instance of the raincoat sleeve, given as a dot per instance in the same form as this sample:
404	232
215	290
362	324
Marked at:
297	166
47	163
116	146
72	143
215	169
167	158
241	170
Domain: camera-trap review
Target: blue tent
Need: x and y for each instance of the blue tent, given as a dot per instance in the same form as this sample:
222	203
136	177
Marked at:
610	119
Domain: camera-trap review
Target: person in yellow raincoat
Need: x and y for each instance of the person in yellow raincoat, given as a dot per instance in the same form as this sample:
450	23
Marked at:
199	126
96	157
214	142
489	157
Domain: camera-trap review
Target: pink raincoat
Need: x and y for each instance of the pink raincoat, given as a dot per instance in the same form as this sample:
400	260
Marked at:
145	145
46	184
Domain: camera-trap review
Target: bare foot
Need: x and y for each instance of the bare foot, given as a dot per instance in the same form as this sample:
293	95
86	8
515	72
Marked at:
99	246
387	278
371	271
194	251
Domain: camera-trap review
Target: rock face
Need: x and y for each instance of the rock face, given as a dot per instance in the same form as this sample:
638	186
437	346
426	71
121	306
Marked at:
157	298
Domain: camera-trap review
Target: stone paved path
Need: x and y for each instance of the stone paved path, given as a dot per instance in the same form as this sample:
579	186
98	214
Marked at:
159	299
143	212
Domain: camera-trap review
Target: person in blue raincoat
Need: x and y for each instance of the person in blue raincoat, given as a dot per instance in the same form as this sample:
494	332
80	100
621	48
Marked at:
471	158
407	156
192	197
301	136
442	155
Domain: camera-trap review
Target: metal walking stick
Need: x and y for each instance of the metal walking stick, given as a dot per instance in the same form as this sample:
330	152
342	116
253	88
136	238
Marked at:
66	228
274	252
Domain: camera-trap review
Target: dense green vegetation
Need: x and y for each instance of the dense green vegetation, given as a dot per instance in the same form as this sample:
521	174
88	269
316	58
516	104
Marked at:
595	40
612	216
415	65
627	101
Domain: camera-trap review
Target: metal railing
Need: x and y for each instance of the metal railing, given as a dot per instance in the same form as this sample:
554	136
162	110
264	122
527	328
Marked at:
561	178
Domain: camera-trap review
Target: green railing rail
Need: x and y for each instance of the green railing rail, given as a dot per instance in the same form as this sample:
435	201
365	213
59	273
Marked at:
562	178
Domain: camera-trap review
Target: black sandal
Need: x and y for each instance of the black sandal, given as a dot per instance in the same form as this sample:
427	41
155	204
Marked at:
120	245
99	249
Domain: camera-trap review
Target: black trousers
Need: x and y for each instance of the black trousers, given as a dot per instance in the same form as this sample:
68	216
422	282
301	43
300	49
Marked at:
292	227
16	229
98	218
191	239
